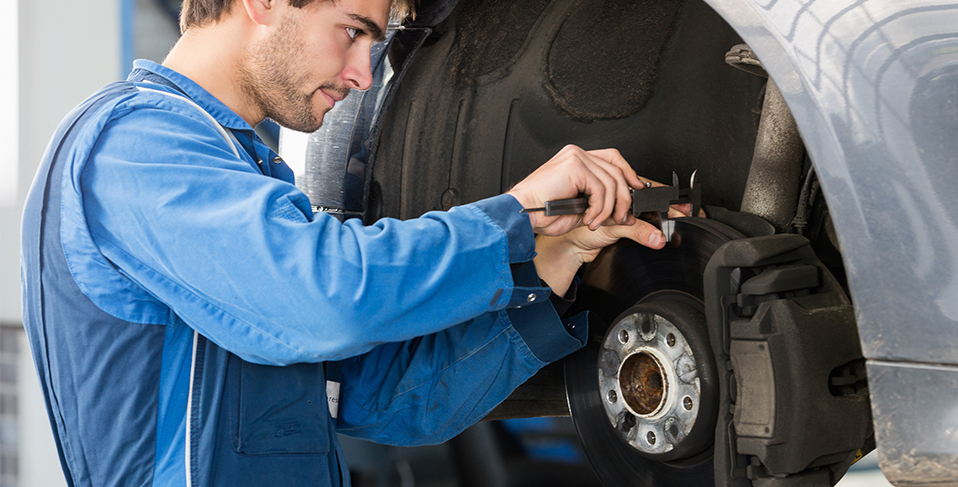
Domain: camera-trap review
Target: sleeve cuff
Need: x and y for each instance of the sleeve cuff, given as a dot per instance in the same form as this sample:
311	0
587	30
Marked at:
538	323
548	337
504	210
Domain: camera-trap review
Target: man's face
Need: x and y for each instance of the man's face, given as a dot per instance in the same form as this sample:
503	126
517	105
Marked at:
312	58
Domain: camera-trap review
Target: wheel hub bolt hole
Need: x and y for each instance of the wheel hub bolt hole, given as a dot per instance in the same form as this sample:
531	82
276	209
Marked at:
670	339
624	336
642	383
650	438
613	396
686	403
627	423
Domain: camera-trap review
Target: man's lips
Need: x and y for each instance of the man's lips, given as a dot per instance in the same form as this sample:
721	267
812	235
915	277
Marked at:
329	99
332	96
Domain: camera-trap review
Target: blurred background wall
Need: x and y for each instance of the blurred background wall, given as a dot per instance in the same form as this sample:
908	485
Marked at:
53	53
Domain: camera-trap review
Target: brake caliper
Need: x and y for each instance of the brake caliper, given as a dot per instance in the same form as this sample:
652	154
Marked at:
793	400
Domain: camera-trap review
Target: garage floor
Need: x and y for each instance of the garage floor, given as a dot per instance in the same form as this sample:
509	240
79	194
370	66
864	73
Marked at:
865	473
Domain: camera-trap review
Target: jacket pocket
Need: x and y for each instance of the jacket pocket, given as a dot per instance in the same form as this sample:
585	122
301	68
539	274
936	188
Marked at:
278	409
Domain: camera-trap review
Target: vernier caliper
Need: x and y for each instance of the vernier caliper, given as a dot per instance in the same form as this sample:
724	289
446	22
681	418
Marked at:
644	200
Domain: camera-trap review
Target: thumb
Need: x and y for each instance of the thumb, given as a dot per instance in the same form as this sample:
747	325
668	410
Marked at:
642	232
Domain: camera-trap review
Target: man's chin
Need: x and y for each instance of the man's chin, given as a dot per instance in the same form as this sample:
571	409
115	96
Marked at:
308	130
306	127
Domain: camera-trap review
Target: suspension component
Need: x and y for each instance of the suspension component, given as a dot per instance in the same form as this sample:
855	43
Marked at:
774	179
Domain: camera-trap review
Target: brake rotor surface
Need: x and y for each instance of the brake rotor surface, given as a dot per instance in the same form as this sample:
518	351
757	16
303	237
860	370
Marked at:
623	275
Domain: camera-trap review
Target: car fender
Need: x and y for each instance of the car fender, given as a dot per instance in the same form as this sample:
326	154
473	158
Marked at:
873	87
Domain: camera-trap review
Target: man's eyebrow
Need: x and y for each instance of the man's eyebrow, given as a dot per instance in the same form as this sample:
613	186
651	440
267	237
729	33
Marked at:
374	30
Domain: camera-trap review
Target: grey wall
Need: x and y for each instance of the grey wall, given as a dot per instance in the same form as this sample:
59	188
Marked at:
154	33
67	50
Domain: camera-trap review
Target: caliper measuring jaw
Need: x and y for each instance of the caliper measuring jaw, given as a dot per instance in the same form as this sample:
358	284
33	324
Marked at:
660	198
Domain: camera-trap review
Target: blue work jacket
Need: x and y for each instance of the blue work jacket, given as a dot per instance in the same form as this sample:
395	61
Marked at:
194	323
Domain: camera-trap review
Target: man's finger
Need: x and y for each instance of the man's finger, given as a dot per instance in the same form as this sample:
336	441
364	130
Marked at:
642	232
622	198
601	199
625	174
596	191
613	156
611	222
685	209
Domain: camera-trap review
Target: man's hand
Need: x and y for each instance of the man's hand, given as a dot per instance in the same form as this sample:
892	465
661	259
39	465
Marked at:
558	258
604	175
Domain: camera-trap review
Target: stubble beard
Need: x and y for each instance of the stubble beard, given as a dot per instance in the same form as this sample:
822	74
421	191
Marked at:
269	78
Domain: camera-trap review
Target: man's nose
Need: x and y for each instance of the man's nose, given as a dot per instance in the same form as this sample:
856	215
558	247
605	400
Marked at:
358	72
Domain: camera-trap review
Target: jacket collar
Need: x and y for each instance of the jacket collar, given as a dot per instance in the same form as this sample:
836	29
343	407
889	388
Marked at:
222	113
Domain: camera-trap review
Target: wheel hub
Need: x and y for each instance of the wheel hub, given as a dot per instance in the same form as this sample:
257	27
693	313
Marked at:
659	385
648	376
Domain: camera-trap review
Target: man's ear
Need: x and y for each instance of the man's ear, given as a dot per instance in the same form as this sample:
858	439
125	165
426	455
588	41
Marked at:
262	12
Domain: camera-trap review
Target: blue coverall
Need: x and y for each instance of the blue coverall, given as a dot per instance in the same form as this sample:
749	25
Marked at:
188	313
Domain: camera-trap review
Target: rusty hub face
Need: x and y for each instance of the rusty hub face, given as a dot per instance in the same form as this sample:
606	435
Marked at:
642	383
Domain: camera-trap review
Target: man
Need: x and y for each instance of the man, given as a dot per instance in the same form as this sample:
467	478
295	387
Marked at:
194	323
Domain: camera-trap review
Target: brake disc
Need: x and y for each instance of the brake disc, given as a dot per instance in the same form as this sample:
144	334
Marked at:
643	392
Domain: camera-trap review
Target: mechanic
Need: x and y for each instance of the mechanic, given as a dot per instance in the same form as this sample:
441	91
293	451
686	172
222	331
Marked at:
194	323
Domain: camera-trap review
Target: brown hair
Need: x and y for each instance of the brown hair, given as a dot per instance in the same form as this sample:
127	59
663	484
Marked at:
197	13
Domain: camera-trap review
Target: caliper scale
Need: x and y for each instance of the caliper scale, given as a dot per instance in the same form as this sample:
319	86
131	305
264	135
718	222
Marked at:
649	199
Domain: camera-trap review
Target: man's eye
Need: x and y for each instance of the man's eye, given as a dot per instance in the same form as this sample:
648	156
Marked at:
351	32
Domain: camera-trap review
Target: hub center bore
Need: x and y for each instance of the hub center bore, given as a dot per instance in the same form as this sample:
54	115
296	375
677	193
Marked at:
643	384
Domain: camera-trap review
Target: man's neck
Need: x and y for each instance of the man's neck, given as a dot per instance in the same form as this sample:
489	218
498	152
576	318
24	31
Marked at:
211	56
